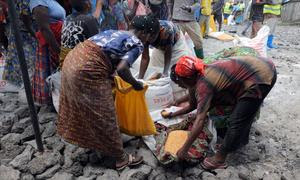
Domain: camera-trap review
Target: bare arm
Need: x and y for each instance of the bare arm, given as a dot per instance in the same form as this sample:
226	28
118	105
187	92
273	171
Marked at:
168	56
196	130
144	62
188	108
98	10
124	72
41	15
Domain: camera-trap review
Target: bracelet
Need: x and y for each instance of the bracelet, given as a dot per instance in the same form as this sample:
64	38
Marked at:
170	115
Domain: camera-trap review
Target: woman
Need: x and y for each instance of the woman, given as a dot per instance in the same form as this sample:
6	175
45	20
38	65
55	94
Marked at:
240	81
165	37
159	8
49	16
86	111
12	72
3	15
110	14
78	27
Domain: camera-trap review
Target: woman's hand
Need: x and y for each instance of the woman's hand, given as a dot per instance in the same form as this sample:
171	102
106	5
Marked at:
138	86
182	154
166	115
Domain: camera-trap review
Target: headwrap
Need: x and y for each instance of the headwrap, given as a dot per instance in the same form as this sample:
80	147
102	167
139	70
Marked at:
187	66
146	23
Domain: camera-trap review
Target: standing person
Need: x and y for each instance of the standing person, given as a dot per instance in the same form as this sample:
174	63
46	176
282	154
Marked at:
183	16
271	14
257	17
78	27
87	114
159	8
109	14
166	38
3	15
227	10
217	12
12	71
247	18
240	81
205	16
49	16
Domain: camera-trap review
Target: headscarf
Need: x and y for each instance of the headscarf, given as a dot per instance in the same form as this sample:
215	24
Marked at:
146	23
188	66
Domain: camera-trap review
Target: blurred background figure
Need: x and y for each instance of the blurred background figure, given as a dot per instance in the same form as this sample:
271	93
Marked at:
227	10
256	16
109	14
12	71
206	11
272	13
217	6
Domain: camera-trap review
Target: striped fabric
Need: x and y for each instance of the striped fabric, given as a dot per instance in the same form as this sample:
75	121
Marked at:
45	64
225	81
272	9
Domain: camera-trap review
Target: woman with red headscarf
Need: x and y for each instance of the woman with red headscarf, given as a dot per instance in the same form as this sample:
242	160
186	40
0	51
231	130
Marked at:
242	82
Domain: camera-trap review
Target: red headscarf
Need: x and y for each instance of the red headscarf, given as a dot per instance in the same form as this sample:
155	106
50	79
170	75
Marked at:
188	66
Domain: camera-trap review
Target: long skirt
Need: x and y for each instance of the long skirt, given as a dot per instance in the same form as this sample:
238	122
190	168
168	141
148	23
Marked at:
87	114
12	71
46	63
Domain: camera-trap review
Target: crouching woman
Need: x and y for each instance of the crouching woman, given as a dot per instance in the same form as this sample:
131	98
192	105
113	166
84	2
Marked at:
243	82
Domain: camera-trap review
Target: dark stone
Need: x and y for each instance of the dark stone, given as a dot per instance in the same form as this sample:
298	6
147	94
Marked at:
21	125
49	172
6	123
76	169
50	129
8	173
47	117
22	112
142	172
20	162
28	133
43	161
63	176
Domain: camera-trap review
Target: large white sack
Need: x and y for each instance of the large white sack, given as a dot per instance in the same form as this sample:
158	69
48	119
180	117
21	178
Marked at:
159	94
259	43
54	83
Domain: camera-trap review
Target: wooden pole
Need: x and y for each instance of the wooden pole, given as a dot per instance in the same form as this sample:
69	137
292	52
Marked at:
23	66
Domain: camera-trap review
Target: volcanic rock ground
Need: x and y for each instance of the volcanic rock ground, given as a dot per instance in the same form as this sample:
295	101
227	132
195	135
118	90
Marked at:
272	154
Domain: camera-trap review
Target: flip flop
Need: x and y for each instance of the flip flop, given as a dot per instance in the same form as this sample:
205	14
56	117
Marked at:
207	164
132	161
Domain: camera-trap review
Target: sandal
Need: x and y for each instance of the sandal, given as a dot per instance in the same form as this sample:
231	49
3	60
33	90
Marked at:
208	164
132	161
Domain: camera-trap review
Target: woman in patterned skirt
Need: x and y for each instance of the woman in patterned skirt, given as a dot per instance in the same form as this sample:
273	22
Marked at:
12	72
87	115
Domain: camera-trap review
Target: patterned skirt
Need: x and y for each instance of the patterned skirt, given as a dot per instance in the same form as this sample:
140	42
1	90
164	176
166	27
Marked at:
87	115
12	71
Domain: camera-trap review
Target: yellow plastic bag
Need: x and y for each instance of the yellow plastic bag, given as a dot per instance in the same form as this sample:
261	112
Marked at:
132	111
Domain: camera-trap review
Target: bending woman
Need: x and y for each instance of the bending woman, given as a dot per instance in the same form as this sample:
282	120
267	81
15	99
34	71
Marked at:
86	111
165	37
243	82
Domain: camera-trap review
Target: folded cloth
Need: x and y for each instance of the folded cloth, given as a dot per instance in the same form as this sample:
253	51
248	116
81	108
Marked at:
198	150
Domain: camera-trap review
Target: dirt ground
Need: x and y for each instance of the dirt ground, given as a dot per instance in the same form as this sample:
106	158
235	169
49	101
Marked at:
273	152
